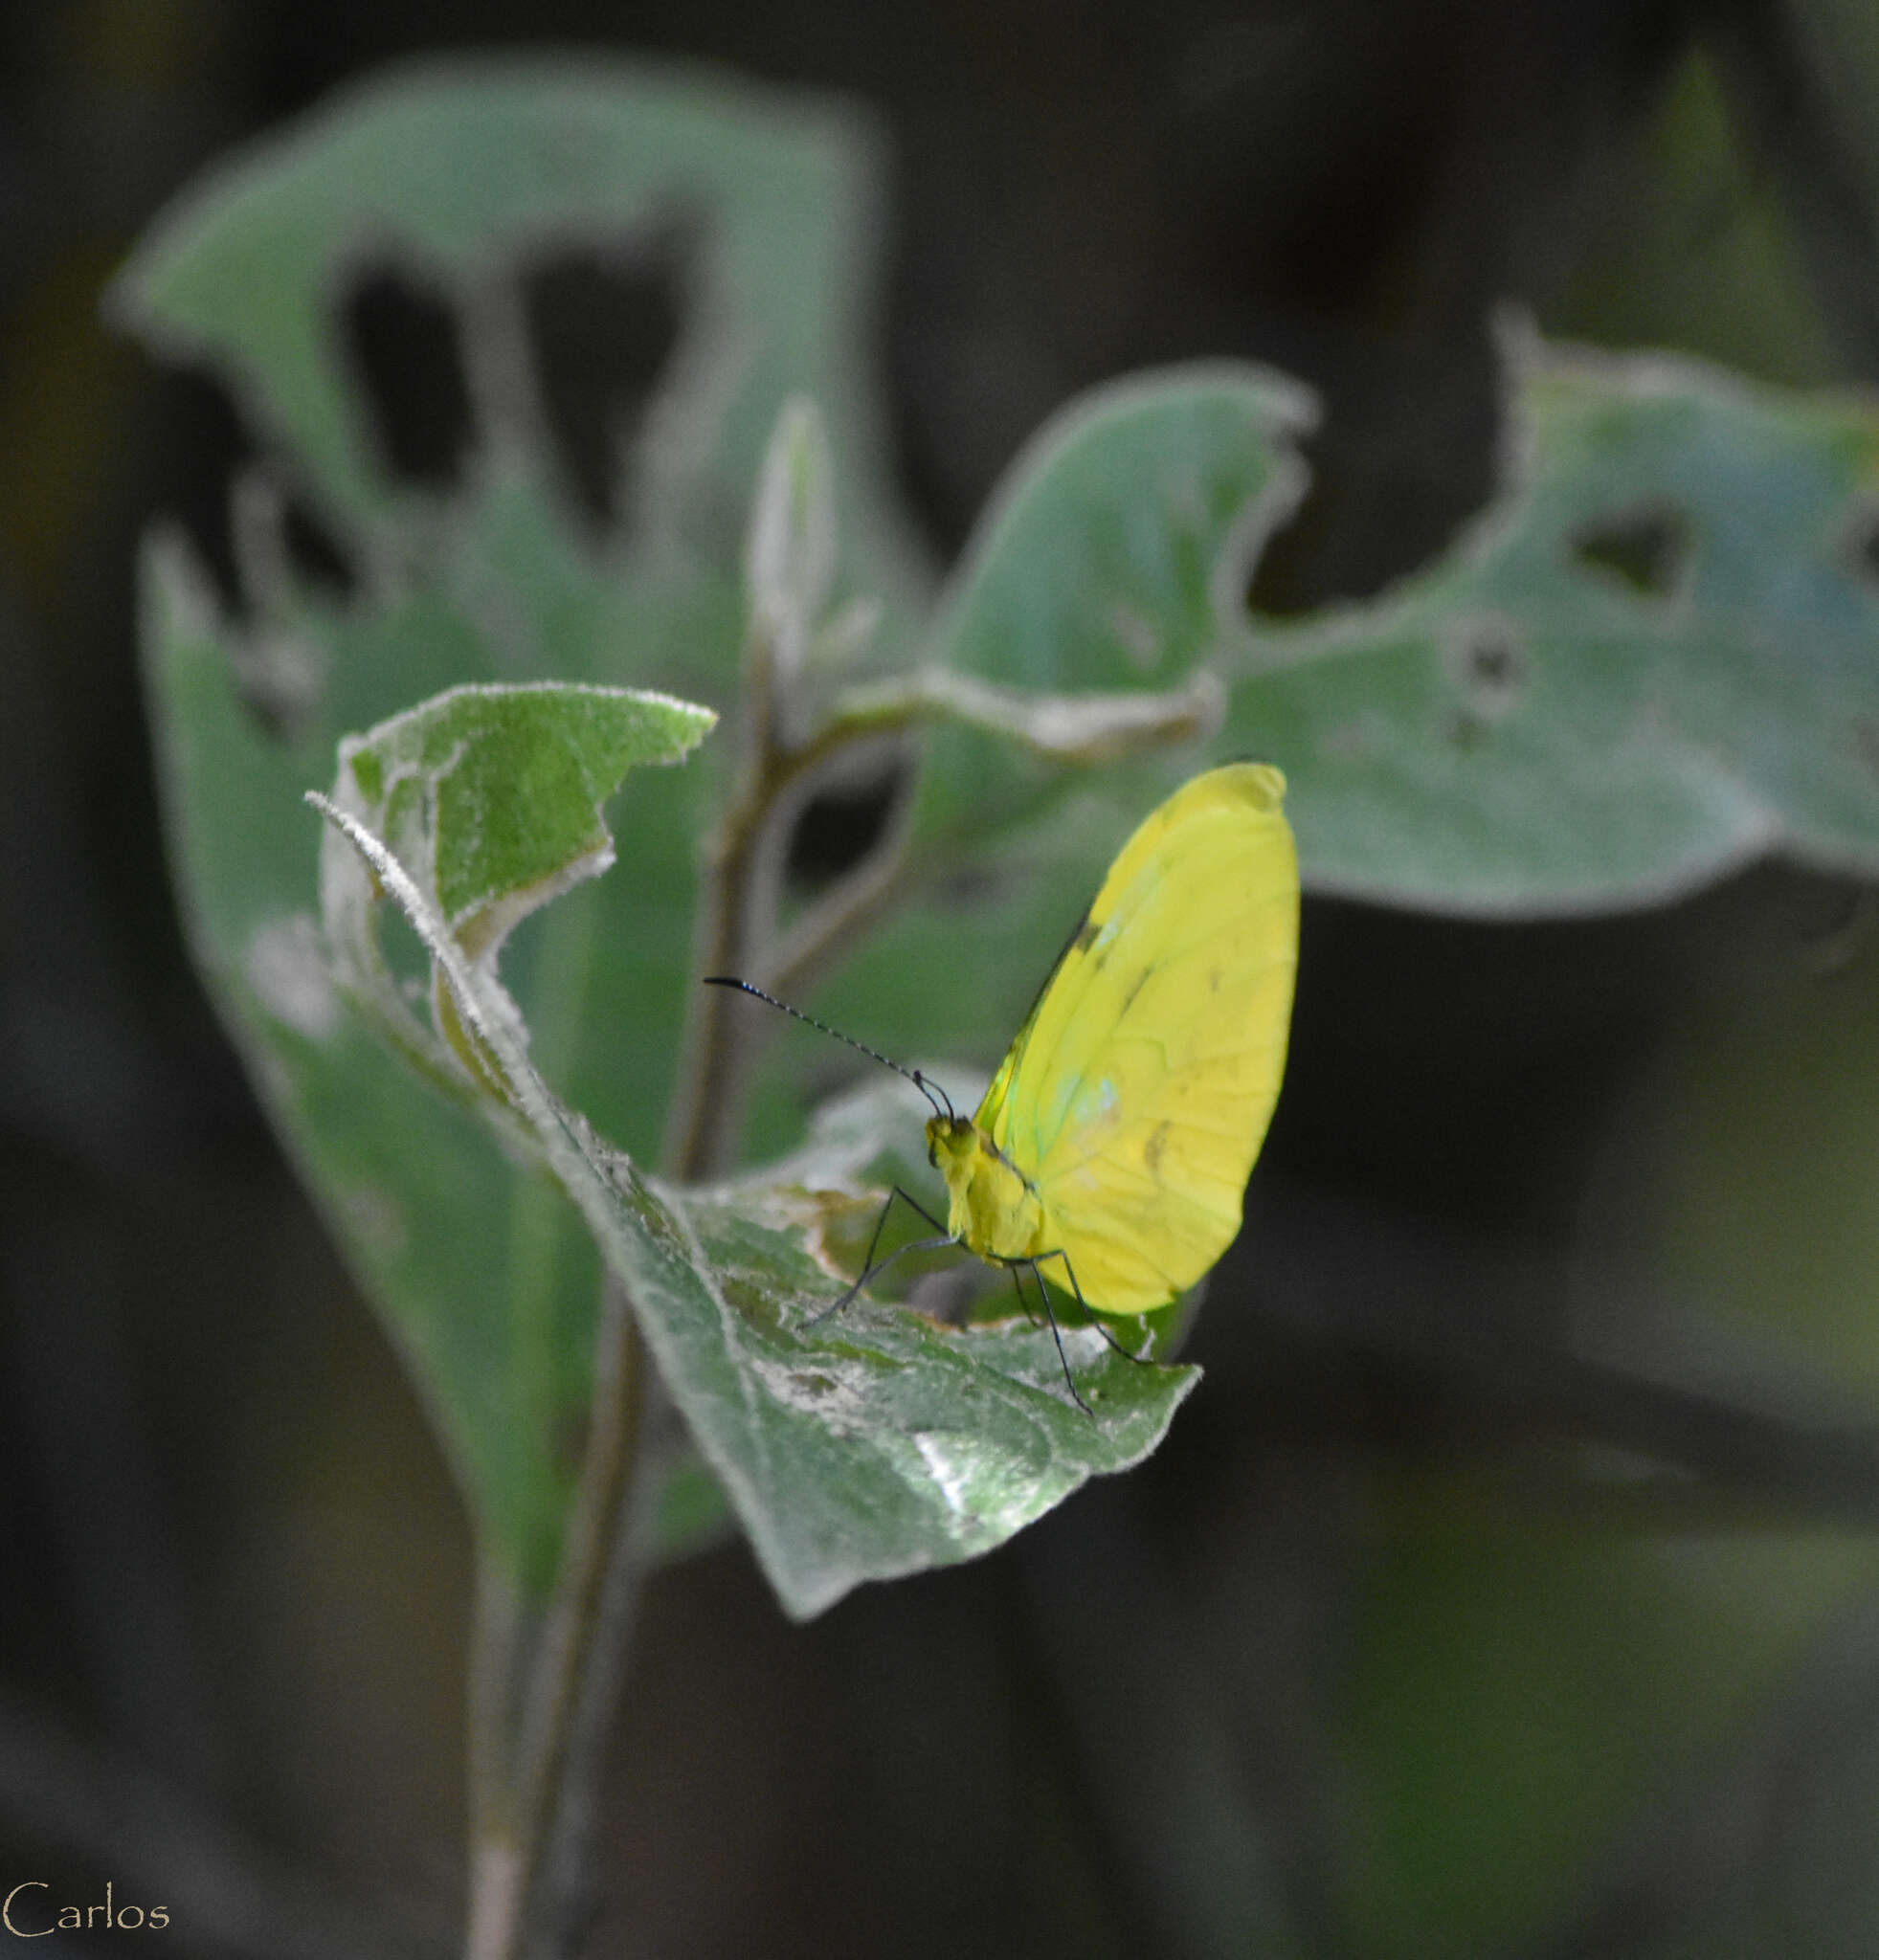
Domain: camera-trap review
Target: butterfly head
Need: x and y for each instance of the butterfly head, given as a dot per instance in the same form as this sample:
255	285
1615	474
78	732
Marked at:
991	1207
951	1140
955	1147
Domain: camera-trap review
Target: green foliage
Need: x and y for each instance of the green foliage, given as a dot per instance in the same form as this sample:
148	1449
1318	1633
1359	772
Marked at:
1648	661
484	1276
1073	678
1116	559
459	181
857	1448
463	178
497	790
875	1444
462	182
1642	664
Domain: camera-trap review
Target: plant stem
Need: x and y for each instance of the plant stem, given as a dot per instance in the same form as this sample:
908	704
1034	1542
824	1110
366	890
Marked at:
529	1814
873	887
703	1108
498	1642
565	1868
581	1656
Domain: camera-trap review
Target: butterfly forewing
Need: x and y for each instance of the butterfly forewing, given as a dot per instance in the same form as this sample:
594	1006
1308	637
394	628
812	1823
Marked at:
1060	1001
1135	1098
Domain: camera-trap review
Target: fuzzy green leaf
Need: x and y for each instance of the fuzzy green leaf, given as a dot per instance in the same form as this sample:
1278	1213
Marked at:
496	792
462	180
487	1277
875	1444
852	1449
1115	558
1649	661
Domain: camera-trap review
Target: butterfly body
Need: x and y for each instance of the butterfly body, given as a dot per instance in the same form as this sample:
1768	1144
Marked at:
1117	1137
992	1209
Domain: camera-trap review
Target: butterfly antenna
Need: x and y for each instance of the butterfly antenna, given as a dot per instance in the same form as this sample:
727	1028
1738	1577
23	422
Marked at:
912	1075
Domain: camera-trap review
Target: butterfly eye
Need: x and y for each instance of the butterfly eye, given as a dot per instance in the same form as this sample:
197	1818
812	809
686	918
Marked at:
932	1156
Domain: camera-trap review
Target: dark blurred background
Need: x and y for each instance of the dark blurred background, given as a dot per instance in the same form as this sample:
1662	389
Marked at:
233	1577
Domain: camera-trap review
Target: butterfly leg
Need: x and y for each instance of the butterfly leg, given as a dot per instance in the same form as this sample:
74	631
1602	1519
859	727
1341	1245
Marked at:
1017	1286
1094	1319
1056	1332
869	1267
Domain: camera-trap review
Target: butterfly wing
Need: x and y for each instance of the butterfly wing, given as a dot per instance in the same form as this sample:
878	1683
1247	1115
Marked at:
1137	1094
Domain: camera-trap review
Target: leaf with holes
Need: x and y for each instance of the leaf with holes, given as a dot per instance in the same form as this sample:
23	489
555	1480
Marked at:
395	295
855	1448
386	293
1113	561
1649	661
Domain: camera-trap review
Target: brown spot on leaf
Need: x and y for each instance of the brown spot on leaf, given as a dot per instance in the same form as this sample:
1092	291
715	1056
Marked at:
1487	662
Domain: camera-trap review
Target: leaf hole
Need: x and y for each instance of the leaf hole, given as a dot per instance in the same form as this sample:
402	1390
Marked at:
283	548
1493	662
404	344
1282	585
314	553
1410	434
603	328
258	542
840	826
1645	550
207	446
1486	657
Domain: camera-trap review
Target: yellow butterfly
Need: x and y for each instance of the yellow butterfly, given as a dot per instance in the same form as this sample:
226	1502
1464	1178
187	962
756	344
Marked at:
1115	1141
